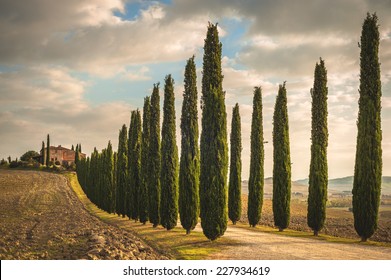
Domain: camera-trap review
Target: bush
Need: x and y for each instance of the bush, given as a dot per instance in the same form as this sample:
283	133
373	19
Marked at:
15	164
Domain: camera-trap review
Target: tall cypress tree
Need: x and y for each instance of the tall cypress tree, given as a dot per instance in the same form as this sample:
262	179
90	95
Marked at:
77	155
189	182
43	153
48	151
115	185
256	179
214	147
154	159
135	164
368	166
235	170
109	178
145	165
169	165
122	172
131	206
282	162
317	190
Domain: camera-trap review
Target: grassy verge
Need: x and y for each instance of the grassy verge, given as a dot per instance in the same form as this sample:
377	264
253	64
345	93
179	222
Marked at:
174	243
302	234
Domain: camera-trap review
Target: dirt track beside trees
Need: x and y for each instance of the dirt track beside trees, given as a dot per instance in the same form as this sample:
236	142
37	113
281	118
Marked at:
42	218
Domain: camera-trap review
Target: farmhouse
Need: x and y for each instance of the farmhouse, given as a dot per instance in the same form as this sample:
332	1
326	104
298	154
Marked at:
61	154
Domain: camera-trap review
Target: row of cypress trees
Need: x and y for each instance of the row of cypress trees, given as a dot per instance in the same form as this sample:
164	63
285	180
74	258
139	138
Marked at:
146	178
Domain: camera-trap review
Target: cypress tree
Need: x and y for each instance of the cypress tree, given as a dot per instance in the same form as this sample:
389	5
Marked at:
282	162
43	153
79	148
145	171
169	165
235	170
214	147
77	155
256	179
317	190
122	172
135	166
189	182
109	178
73	148
48	151
368	165
130	199
154	159
114	187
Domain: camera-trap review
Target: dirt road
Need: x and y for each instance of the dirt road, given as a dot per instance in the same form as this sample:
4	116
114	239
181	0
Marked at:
253	244
42	218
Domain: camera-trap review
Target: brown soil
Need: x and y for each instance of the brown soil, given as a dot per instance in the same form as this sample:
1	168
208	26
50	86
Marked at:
41	218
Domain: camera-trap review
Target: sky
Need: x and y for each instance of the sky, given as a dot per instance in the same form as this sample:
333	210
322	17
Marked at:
75	69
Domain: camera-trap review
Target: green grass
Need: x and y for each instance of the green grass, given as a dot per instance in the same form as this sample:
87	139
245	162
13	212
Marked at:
174	243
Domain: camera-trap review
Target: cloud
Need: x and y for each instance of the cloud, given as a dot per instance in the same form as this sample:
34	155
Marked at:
89	37
40	100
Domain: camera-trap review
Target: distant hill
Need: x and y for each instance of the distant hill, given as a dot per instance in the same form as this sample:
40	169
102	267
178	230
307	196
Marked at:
337	185
346	184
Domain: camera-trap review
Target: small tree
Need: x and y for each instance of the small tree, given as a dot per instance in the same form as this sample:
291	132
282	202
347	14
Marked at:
48	151
235	177
169	165
28	155
43	158
282	162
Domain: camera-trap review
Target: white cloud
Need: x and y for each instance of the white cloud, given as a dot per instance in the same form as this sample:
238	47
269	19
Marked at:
139	75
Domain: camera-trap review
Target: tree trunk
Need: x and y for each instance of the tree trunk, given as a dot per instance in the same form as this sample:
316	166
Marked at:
316	233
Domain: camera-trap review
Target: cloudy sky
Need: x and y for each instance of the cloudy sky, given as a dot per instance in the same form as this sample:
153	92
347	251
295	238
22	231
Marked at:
75	69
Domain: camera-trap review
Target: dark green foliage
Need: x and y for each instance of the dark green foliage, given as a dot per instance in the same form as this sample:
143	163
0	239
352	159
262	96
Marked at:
130	199
169	165
96	177
122	172
282	162
145	166
154	159
189	182
77	155
214	147
108	179
256	179
73	148
368	166
43	158
317	190
235	170
135	164
113	206
48	151
29	155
